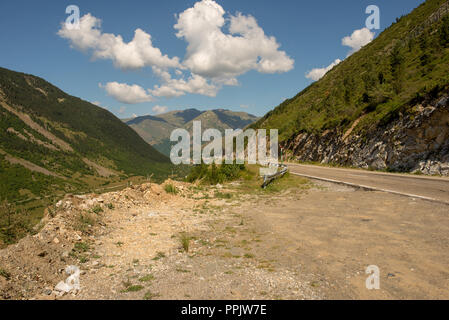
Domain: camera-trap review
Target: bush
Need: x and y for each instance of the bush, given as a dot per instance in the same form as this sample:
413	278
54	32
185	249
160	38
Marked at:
169	188
214	174
185	242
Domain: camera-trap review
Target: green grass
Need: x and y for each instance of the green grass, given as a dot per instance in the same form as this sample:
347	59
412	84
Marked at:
97	209
185	242
15	223
252	185
79	250
85	221
150	296
134	288
171	189
213	174
147	278
221	195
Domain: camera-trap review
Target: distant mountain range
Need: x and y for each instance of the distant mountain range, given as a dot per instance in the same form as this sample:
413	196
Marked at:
156	130
51	142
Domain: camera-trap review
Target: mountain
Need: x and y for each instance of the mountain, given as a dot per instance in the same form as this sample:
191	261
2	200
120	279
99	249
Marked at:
53	142
156	130
384	107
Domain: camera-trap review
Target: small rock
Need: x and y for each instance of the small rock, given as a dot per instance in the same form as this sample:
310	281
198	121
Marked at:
56	240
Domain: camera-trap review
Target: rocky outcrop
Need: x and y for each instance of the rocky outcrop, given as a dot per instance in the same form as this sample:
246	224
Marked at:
417	141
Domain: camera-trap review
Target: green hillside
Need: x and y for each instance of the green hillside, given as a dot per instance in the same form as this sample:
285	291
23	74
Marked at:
403	66
51	142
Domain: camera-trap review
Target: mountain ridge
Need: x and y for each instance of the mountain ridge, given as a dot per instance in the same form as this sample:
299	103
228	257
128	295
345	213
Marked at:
52	141
156	130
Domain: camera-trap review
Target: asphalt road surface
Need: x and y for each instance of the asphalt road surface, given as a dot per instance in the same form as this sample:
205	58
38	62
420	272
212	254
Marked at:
423	187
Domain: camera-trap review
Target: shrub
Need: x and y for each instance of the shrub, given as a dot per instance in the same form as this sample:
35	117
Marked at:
185	242
97	209
214	174
169	188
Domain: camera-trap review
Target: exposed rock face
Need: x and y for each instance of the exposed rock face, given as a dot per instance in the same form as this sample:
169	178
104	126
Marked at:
415	142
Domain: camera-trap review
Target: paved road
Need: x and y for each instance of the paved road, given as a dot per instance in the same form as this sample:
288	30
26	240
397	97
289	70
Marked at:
429	188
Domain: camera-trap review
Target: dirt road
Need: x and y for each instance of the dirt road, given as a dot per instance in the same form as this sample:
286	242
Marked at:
432	188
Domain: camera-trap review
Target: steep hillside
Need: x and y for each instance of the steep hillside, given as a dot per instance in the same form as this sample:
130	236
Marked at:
53	142
156	130
384	107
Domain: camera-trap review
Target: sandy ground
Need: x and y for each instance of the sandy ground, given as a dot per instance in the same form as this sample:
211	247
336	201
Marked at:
299	243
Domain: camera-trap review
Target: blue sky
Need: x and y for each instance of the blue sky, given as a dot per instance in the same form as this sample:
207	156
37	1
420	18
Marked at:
309	35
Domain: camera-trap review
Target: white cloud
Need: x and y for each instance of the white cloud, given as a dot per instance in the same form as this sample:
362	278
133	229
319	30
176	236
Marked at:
215	57
244	106
170	88
135	54
122	110
211	53
160	109
130	94
358	39
317	73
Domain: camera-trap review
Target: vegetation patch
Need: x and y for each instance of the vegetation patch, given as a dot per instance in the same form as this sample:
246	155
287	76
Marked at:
185	242
159	256
213	174
5	274
134	288
79	251
147	278
171	189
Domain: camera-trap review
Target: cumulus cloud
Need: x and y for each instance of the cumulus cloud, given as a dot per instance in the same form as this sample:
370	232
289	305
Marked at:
170	88
211	53
220	47
160	109
358	39
135	54
317	73
129	94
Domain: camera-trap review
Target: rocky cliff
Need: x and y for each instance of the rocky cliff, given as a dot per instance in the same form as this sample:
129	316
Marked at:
416	141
